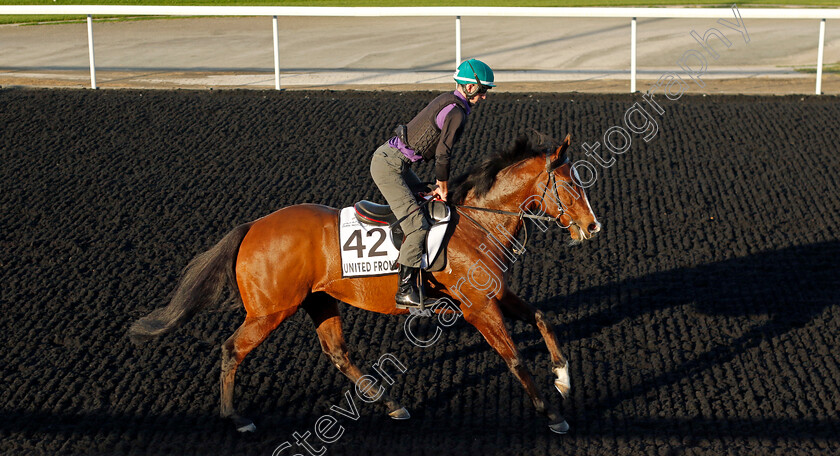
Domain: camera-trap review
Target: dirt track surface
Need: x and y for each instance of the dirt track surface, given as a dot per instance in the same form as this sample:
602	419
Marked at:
704	319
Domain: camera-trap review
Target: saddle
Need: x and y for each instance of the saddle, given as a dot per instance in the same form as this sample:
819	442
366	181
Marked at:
369	213
380	216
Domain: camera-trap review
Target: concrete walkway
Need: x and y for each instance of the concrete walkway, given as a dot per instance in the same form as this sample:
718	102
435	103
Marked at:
398	53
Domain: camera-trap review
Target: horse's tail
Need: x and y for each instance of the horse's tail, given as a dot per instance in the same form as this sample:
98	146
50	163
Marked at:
201	286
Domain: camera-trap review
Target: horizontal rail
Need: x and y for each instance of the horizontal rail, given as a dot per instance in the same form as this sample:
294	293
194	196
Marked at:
420	11
444	11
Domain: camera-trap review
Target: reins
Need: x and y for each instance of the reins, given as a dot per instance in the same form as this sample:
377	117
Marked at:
522	214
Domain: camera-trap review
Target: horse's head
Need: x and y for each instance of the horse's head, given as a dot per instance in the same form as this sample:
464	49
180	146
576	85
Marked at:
533	179
563	197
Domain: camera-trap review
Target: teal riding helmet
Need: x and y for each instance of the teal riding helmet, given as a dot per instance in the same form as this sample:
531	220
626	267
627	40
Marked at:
474	71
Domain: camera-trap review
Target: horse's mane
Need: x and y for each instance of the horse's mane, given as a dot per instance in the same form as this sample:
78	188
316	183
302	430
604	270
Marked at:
481	178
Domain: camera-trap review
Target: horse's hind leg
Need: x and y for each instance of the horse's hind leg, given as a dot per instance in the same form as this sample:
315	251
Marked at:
248	336
489	322
324	312
513	306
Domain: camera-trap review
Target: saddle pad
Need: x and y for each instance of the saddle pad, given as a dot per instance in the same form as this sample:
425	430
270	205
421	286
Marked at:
368	250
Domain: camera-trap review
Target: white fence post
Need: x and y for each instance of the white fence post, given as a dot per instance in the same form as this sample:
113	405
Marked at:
457	41
90	51
820	56
276	55
633	55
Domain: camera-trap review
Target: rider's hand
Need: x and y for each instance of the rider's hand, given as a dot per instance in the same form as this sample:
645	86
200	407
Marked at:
441	190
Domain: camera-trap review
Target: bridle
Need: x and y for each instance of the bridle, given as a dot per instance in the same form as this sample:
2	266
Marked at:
552	181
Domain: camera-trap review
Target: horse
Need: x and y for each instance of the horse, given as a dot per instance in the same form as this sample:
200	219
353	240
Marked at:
290	260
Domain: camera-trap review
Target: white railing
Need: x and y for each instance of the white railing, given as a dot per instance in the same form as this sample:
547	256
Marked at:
448	11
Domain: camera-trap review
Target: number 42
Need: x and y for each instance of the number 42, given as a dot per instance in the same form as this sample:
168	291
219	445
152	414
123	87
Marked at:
354	242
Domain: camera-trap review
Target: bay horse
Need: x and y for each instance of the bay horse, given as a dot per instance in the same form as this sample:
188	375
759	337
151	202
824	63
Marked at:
290	259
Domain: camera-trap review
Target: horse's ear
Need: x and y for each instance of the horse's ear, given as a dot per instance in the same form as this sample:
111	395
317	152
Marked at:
561	151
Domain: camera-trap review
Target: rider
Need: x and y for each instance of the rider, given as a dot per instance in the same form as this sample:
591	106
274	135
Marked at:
430	135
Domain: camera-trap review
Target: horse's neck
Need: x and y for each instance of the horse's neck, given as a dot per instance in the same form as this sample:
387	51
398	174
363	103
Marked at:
511	189
507	194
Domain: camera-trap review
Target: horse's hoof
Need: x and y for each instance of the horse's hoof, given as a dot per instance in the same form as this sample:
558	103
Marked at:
559	428
247	428
243	424
400	414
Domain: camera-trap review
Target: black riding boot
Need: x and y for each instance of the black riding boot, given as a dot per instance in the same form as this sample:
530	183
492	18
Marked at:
408	293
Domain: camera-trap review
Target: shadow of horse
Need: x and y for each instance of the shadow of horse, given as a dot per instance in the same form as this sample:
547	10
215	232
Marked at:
753	301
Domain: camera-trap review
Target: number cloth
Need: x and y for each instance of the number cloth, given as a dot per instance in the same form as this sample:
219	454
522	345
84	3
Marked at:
366	250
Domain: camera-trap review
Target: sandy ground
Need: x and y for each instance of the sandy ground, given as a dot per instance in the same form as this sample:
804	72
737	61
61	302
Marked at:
529	54
221	81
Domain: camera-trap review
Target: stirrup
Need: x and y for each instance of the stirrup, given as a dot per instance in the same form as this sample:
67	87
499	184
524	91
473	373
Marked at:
421	308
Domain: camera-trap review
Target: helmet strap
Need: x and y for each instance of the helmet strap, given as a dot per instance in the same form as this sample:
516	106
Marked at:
469	93
474	92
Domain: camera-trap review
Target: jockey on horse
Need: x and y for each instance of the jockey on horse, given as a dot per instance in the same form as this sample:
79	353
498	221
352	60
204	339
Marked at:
430	135
291	259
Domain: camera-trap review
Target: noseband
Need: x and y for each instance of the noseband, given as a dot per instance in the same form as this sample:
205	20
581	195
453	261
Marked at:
552	181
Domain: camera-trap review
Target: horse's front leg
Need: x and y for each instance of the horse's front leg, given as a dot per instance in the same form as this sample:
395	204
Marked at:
489	322
514	307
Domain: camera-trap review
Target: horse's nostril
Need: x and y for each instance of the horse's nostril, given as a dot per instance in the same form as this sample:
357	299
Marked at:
594	227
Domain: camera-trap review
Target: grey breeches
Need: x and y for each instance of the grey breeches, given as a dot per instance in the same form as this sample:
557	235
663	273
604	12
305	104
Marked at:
391	172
